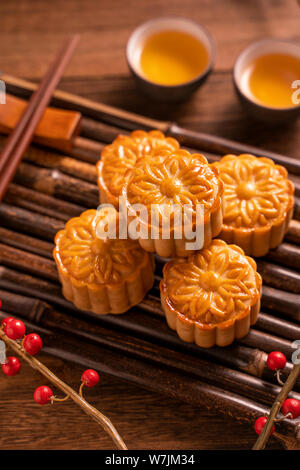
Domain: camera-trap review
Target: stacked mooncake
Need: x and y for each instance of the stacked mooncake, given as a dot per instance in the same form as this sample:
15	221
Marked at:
210	293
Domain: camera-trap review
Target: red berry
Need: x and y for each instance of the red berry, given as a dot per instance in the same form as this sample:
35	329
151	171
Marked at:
12	366
32	344
291	405
90	377
42	395
15	329
276	360
6	321
260	424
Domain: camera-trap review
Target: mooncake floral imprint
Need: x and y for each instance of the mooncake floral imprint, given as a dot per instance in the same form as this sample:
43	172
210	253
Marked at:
213	296
258	202
122	155
102	275
167	184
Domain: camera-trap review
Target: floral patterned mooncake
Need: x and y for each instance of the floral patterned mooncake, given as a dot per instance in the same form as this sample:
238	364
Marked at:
173	184
122	155
258	202
103	275
213	296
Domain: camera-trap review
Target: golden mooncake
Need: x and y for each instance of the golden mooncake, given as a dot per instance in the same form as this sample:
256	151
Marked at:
258	202
213	296
174	186
121	155
103	275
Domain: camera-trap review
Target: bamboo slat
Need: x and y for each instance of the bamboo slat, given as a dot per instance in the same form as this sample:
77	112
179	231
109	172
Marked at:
48	189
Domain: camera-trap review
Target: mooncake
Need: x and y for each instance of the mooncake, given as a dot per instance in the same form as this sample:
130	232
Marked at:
121	155
103	275
258	202
174	186
213	296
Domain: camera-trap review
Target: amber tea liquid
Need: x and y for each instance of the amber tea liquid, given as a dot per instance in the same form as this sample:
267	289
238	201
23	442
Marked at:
270	77
173	58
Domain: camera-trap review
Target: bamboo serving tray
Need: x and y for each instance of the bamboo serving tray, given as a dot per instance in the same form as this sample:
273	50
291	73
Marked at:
51	187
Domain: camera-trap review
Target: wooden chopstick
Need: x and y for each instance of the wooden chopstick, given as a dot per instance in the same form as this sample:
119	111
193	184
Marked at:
26	116
20	138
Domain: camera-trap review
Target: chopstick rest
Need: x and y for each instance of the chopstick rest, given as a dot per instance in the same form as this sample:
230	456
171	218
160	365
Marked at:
57	127
20	138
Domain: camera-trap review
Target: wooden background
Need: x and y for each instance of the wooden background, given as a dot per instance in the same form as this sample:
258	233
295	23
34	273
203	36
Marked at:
31	31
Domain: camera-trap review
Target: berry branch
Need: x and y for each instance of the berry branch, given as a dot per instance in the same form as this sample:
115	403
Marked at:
12	333
13	330
290	407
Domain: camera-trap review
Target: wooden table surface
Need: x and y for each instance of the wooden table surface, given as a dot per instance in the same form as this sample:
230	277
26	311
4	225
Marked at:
31	31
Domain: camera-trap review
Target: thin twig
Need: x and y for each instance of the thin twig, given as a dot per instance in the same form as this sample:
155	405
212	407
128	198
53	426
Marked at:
282	418
80	389
287	387
278	377
79	400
